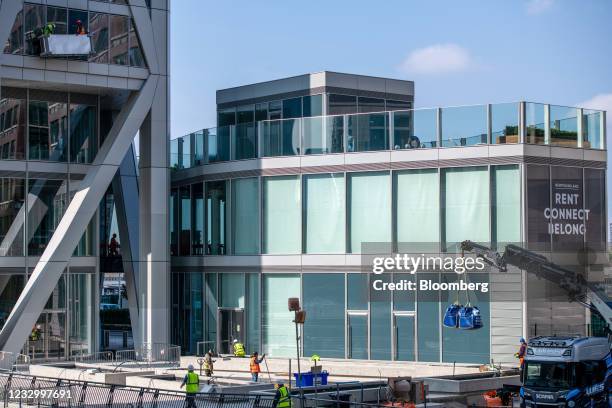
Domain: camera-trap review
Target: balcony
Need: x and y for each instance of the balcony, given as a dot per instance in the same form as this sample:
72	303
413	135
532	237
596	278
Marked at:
506	123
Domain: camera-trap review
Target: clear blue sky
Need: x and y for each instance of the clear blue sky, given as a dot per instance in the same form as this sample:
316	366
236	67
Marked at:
457	52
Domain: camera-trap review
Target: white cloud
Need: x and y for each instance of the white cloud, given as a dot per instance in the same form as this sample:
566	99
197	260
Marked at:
437	59
538	6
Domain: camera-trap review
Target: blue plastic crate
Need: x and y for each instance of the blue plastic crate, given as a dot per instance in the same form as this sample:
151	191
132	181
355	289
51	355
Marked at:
309	379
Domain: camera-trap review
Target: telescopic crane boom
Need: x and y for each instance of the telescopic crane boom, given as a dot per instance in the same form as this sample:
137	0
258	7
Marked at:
589	295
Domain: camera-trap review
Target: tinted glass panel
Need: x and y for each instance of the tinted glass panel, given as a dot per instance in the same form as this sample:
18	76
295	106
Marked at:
370	104
324	301
14	44
59	18
136	56
98	24
77	21
504	123
341	104
292	108
313	105
119	31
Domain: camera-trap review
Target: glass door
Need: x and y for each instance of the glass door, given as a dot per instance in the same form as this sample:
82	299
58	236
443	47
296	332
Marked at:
47	339
357	335
404	341
231	327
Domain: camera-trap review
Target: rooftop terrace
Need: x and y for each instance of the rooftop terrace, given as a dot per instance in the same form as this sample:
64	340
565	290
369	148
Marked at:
449	127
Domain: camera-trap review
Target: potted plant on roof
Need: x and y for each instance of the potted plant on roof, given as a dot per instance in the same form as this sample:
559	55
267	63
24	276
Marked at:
315	369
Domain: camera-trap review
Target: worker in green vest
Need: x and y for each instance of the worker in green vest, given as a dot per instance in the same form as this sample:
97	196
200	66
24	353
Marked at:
282	399
192	381
238	349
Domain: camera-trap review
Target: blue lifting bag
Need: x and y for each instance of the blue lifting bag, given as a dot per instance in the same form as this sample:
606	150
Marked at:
470	318
451	316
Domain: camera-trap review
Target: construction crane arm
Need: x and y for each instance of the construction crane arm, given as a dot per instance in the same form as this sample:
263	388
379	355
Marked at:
578	289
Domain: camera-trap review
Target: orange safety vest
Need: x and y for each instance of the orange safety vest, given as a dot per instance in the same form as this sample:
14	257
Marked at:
255	365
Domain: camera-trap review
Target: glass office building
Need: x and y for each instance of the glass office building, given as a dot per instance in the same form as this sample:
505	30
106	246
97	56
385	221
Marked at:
279	200
56	112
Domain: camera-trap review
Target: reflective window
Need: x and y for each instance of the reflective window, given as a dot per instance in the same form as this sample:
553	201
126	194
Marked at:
245	208
324	205
226	117
341	104
404	331
366	104
253	312
368	132
197	219
13	121
12	218
98	24
280	137
33	20
217	144
275	110
369	209
136	56
83	129
506	205
212	304
77	18
47	203
244	143
324	302
278	330
292	108
58	16
174	218
465	205
428	321
313	105
417	210
245	114
119	31
563	126
48	126
184	221
232	287
216	215
534	123
14	44
505	123
187	310
357	291
357	333
282	214
398	105
261	111
464	126
380	324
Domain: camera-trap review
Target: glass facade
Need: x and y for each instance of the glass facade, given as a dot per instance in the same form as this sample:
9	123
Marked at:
114	38
333	213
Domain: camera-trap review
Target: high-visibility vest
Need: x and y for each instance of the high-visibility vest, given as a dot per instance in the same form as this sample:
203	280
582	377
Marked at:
285	399
193	383
239	349
255	365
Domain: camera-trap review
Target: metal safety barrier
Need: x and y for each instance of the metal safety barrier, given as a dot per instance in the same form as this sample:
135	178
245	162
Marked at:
14	362
99	357
24	390
151	354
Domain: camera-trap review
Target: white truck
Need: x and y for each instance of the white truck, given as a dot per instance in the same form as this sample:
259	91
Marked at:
560	371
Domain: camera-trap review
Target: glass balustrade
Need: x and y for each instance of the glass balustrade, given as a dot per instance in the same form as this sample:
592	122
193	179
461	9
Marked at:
459	126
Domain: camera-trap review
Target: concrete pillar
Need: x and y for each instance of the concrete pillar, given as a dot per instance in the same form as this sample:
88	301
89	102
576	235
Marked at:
154	257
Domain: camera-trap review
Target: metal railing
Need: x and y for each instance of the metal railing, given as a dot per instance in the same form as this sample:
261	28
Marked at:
99	357
160	353
24	390
202	347
14	362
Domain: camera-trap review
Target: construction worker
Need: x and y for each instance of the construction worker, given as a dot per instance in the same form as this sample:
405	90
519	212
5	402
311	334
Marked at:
282	398
254	366
209	364
80	29
192	381
521	353
48	29
239	349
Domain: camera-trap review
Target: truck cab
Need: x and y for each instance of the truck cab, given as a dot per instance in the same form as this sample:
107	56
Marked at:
567	372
